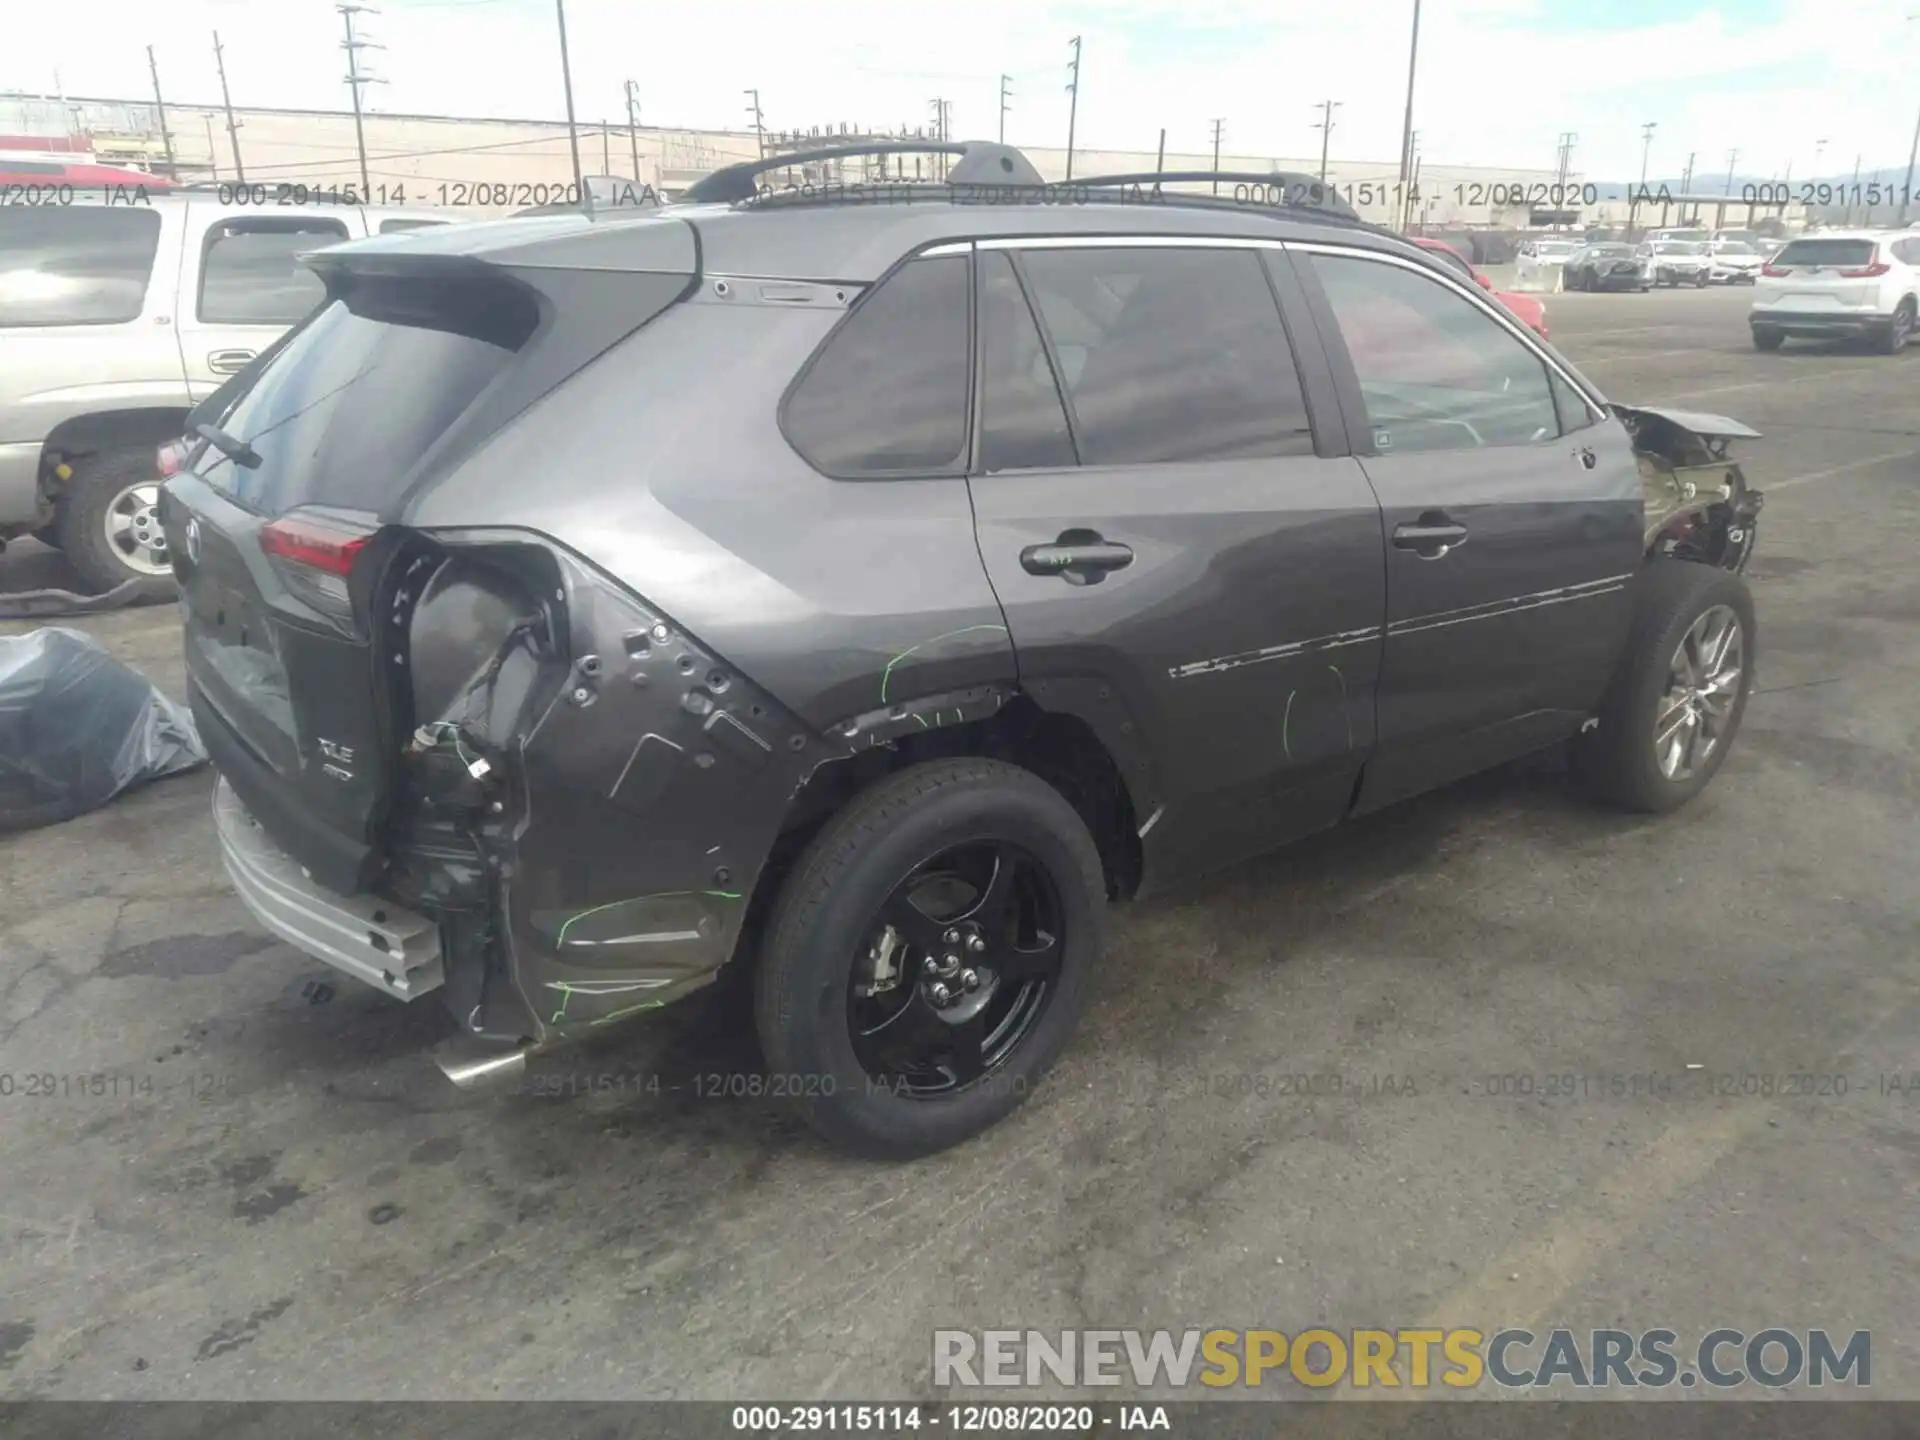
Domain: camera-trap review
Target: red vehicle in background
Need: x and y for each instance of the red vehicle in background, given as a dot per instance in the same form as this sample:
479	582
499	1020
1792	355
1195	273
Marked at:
1527	309
76	175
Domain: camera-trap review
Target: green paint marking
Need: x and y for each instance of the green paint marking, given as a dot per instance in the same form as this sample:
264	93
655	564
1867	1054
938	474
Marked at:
630	1010
573	920
1346	708
887	674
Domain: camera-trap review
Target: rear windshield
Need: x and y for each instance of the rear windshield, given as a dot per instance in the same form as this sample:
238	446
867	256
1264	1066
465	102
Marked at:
75	264
363	390
1679	247
1826	252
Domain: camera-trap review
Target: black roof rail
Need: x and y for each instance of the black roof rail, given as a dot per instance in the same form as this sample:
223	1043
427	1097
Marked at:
982	162
1272	190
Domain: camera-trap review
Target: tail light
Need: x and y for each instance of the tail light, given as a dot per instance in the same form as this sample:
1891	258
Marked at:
314	555
1866	272
172	457
1776	271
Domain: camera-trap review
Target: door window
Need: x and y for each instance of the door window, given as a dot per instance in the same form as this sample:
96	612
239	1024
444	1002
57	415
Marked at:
1169	354
250	273
75	264
888	393
1436	371
1023	424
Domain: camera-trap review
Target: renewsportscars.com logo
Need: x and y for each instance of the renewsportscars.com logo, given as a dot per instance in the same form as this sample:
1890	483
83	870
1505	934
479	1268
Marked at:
1420	1359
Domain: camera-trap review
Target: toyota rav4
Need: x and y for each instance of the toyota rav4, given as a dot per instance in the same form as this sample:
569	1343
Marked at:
858	588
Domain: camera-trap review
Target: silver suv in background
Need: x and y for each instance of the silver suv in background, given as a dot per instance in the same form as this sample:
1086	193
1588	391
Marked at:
119	312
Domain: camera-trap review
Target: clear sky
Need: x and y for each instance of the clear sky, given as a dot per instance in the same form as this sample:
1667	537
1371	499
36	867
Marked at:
1499	80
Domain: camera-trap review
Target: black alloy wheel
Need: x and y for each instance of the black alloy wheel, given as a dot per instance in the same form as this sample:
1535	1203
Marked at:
961	962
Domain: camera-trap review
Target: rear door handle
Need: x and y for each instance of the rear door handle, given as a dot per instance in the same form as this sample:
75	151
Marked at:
229	362
1430	537
1081	562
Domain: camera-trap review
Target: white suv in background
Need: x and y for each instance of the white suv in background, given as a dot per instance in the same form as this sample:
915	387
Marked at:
1863	284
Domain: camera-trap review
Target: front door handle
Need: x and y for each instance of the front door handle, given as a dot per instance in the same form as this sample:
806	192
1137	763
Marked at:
229	362
1076	560
1430	537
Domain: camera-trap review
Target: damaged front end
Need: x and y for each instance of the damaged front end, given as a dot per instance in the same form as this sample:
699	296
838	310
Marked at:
1698	504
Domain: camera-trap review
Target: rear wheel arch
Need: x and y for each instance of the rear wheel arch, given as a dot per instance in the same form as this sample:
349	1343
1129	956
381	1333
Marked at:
99	431
1055	744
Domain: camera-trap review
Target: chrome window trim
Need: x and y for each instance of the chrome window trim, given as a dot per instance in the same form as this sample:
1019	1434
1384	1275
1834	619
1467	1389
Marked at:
1499	313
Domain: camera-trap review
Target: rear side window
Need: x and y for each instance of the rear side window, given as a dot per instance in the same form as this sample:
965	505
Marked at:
1023	425
1169	354
1435	371
889	392
364	390
75	264
1829	253
249	274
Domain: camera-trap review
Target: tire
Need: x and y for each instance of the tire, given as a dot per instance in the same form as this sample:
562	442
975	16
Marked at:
1700	282
1620	760
98	485
1768	339
1893	339
828	911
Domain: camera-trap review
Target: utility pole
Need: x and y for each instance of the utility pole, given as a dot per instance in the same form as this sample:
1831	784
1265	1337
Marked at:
1218	127
1073	104
1006	95
226	100
1160	160
566	82
1913	153
353	45
1325	127
1733	158
1646	149
166	135
1413	180
942	111
1406	125
633	126
759	120
1567	139
1686	187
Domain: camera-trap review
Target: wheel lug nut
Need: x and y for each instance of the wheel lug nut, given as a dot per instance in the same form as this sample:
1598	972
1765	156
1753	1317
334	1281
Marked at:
932	966
969	980
940	994
976	943
952	937
949	964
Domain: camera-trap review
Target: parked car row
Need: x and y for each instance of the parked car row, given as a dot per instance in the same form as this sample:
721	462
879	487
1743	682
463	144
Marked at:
116	319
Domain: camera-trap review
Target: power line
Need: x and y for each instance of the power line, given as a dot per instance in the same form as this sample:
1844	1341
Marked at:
353	45
759	120
160	109
1325	127
566	80
1073	104
226	103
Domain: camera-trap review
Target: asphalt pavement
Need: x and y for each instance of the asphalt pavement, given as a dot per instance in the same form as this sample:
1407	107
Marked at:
274	1195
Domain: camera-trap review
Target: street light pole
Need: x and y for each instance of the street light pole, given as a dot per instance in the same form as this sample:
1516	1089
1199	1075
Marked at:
566	79
1646	149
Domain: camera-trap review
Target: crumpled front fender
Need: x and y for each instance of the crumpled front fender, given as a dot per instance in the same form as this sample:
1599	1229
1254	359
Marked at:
1698	504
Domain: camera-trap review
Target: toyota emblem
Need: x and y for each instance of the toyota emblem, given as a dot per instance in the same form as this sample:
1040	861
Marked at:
193	539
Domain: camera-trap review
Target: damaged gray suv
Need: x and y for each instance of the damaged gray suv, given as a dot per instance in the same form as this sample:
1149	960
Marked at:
858	586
